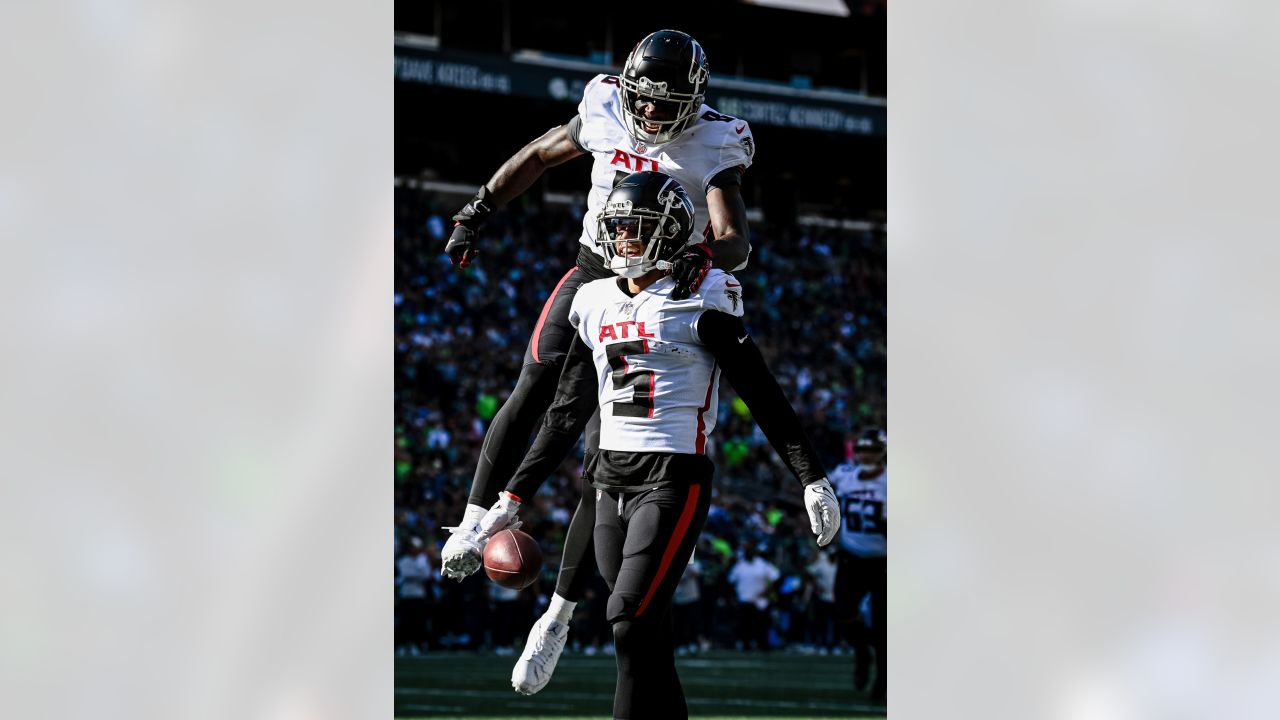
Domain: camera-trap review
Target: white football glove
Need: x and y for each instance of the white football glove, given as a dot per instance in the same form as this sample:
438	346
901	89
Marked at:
502	516
463	552
824	510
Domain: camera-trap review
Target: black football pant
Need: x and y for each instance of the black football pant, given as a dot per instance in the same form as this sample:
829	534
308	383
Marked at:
507	439
643	542
856	578
753	626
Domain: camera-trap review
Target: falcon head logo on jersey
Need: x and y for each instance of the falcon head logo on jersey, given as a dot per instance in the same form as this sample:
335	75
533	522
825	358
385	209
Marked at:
646	220
734	297
663	85
749	146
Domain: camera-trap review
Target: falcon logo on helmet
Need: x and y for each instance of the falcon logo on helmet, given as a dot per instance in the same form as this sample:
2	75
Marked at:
649	210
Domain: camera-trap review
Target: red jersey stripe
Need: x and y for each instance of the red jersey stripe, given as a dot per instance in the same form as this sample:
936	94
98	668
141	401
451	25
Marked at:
701	441
652	377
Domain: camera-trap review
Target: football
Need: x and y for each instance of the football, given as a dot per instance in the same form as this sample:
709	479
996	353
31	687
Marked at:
512	559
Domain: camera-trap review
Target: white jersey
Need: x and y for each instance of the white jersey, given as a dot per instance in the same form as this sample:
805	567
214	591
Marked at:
657	383
713	143
864	504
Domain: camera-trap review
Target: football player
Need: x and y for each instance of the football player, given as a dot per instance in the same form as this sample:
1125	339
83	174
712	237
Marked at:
651	117
651	362
860	576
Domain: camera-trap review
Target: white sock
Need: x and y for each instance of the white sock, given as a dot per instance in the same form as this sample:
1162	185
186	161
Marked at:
561	608
472	515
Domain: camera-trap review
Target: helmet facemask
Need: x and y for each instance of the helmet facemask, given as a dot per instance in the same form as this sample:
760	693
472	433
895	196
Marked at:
659	234
680	109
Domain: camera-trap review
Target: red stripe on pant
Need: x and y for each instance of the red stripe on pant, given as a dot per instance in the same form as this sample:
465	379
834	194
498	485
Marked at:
677	536
546	308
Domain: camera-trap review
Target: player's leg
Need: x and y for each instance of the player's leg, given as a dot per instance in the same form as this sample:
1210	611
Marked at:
508	435
578	561
662	528
500	454
846	612
549	633
879	630
547	637
507	438
851	589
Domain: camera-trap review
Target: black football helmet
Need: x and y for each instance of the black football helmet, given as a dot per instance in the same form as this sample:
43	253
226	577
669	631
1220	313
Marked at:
871	447
650	208
669	69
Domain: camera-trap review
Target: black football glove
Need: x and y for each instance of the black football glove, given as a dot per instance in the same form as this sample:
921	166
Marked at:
690	269
462	243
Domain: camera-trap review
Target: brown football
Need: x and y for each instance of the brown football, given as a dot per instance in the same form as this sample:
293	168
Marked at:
512	559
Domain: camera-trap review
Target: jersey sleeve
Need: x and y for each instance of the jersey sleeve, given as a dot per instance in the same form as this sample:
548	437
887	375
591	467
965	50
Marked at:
732	147
575	308
598	104
575	132
745	368
721	291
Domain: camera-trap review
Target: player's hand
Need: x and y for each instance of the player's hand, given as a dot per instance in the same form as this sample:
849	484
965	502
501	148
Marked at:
824	510
690	269
466	224
461	246
502	516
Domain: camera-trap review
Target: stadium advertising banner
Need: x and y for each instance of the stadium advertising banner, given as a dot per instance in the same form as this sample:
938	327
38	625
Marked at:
563	80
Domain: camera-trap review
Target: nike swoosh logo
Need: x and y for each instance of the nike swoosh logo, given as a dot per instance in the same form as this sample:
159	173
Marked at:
728	285
740	128
743	339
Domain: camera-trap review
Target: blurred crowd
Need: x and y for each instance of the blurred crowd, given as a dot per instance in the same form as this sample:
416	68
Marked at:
814	301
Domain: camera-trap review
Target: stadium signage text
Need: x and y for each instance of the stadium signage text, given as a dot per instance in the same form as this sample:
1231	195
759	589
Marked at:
496	74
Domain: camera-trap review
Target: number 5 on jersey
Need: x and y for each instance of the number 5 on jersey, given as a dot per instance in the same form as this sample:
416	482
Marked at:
641	403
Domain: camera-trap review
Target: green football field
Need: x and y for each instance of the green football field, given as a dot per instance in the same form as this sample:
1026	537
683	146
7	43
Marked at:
720	685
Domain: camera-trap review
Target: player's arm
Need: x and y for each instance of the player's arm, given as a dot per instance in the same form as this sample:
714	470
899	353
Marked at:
732	243
740	360
517	174
744	366
576	399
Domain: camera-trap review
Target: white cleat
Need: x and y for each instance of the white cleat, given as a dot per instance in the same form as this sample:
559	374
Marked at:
463	553
541	653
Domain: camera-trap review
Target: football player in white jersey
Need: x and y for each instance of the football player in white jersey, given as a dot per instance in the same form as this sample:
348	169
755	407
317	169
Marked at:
651	117
651	363
860	577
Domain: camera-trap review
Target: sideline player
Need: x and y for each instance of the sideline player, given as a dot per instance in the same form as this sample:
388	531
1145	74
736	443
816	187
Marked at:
860	577
651	117
653	363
